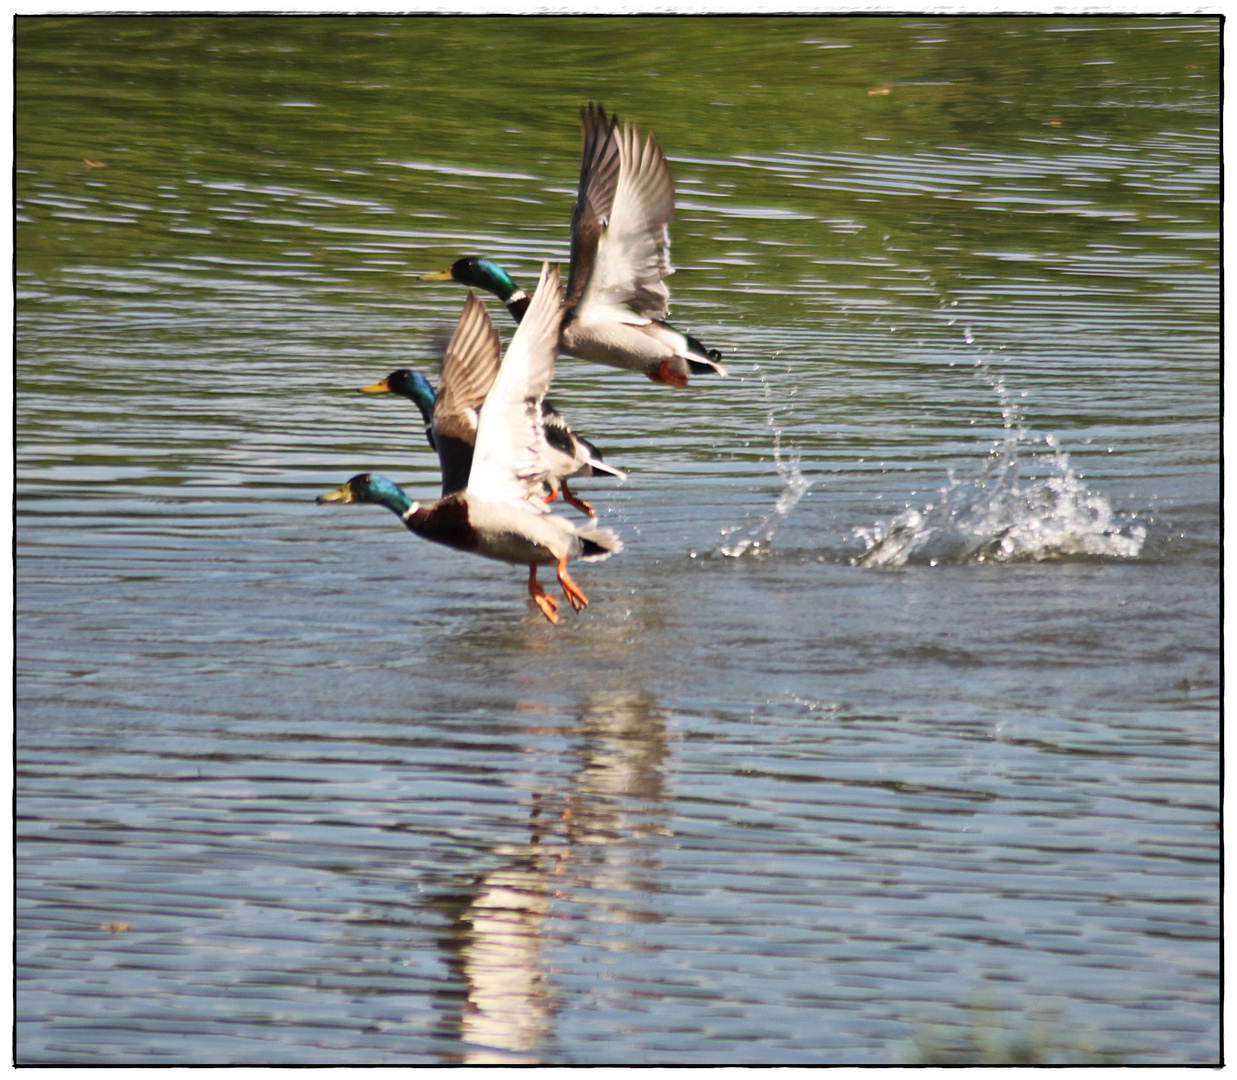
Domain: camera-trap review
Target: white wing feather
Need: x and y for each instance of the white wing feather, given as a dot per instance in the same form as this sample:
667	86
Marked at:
633	255
510	461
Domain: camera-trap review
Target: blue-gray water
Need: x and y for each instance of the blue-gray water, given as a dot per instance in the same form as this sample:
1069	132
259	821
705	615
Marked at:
892	736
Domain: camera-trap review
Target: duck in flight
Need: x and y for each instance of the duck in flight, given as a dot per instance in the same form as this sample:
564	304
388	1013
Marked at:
499	512
617	300
569	454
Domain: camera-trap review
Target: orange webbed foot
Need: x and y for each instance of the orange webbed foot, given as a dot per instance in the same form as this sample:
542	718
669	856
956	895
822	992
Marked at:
578	600
665	374
547	603
577	502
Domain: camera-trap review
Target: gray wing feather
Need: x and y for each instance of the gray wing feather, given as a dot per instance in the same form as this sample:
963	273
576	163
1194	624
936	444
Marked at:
469	368
599	175
633	253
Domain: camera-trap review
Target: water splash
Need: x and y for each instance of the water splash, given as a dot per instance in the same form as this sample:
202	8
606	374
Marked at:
757	538
999	517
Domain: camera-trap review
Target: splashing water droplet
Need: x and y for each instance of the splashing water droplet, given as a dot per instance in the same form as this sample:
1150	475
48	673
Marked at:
998	517
757	538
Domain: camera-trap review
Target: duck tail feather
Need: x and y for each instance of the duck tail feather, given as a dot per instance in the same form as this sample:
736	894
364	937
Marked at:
600	467
698	346
706	367
597	544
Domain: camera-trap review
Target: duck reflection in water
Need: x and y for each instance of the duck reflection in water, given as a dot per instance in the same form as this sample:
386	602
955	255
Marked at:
593	837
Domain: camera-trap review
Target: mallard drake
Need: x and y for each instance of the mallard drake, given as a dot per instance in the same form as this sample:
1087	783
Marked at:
617	298
568	454
417	389
470	366
499	513
488	276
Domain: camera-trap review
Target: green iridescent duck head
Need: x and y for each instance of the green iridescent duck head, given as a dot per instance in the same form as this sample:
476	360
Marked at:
370	488
477	273
410	384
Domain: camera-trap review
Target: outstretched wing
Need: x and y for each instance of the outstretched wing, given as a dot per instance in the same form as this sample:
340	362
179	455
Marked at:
633	253
509	462
599	174
469	368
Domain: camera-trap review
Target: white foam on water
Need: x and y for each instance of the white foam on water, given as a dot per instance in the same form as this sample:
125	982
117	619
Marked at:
999	517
